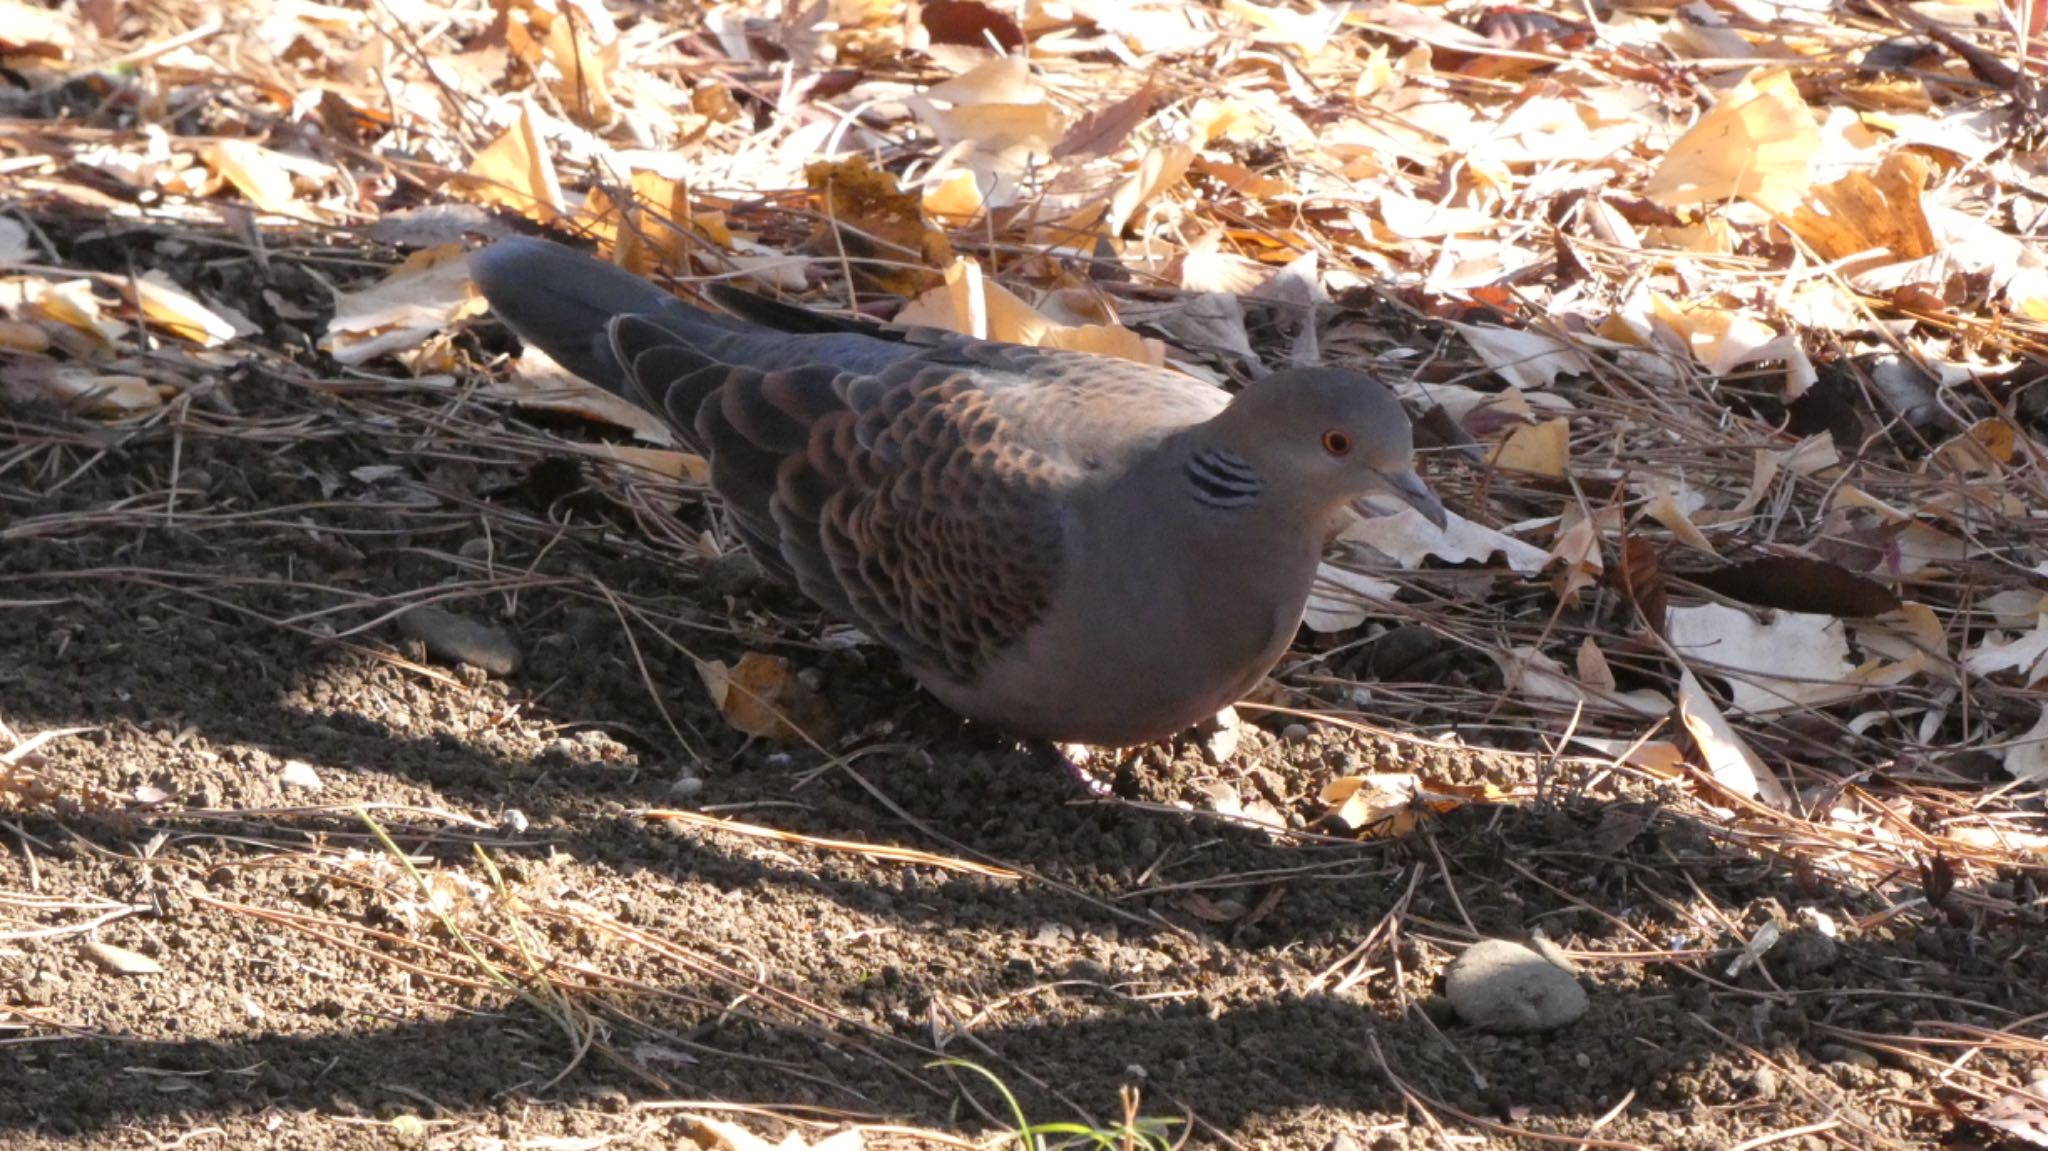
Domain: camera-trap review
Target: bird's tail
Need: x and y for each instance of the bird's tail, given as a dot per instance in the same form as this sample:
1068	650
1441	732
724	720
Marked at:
563	302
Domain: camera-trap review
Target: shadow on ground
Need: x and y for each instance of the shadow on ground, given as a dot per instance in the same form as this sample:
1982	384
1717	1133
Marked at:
1203	963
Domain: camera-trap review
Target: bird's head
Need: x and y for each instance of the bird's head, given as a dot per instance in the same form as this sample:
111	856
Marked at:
1326	436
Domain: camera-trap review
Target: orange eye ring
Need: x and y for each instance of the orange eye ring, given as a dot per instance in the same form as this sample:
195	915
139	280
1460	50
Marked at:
1337	442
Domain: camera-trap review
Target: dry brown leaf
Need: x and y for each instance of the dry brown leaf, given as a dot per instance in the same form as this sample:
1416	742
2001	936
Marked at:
1757	143
968	302
1577	550
1104	131
1801	584
971	24
168	308
41	379
655	226
955	197
996	106
1523	358
1660	758
1727	755
2026	654
1237	179
516	172
1721	338
1983	448
1640	576
71	316
1158	170
538	382
761	696
722	1135
672	464
1410	540
1778	662
33	30
16	336
1386	802
869	219
573	46
1206	267
1342	599
1543	449
2026	758
417	300
1672	504
1874	215
257	173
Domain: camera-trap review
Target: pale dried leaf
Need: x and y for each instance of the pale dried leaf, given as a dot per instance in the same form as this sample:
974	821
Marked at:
1728	757
1524	359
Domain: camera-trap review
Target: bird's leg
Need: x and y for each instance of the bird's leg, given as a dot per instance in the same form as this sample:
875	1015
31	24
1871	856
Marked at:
1070	760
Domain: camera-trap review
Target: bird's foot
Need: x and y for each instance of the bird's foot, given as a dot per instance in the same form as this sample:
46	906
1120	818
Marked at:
1071	760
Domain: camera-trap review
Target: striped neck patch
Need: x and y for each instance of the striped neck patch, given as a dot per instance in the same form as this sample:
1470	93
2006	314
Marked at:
1221	479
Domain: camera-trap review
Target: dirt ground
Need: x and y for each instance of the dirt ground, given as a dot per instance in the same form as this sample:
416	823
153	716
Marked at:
394	902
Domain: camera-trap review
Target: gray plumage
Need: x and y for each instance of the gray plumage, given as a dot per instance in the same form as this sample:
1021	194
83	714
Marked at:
1063	545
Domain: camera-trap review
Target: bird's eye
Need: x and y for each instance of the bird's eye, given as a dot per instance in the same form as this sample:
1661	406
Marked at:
1337	442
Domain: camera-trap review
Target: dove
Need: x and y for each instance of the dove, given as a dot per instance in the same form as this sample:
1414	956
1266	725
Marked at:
1069	547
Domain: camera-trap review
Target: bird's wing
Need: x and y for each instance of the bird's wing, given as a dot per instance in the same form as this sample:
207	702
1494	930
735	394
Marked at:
899	498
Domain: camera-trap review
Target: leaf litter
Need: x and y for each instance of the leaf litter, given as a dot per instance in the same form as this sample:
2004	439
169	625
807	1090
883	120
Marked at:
1738	317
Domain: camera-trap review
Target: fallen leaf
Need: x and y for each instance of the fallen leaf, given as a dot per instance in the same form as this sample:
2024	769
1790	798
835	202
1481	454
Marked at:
257	173
866	217
1361	802
168	308
721	1135
1539	449
1772	663
1409	540
995	106
1757	143
1727	757
1524	359
1876	216
517	172
970	303
1641	577
2022	1114
2027	654
1658	757
2026	758
971	24
120	960
1671	504
1342	599
1799	584
417	300
761	696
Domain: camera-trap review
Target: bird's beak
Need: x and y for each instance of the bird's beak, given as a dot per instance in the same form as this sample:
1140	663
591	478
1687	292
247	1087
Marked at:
1417	495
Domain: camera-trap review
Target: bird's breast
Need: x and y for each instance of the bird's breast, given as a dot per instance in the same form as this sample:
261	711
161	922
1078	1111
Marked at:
1154	627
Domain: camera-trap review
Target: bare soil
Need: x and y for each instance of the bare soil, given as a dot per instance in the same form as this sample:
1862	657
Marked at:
572	902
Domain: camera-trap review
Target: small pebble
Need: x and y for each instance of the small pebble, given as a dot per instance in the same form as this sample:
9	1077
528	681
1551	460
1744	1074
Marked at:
299	773
1294	732
1499	985
1221	737
460	640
